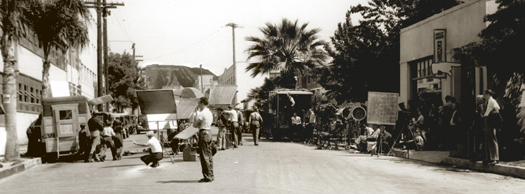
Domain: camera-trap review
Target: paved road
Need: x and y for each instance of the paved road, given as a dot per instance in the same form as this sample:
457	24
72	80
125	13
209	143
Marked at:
272	167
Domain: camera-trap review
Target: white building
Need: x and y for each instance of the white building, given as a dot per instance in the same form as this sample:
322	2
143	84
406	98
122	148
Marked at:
78	69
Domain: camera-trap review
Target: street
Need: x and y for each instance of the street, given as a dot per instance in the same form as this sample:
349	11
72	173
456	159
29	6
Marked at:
272	167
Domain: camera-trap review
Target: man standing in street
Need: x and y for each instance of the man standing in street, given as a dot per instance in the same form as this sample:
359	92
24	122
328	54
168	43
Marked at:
155	152
95	126
255	122
107	134
239	129
310	126
203	123
234	124
222	123
296	125
119	137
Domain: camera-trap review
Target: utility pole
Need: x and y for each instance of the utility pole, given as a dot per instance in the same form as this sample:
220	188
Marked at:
102	9
233	25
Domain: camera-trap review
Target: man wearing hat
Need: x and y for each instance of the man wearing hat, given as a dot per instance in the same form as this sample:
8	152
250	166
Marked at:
155	150
203	123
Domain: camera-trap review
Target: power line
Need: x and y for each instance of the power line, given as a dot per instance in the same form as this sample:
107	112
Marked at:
195	43
127	23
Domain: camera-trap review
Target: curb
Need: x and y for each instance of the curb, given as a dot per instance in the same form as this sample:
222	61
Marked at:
19	167
501	169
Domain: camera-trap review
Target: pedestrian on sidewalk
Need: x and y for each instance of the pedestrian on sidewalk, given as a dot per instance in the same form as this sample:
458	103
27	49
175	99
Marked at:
492	124
478	129
107	135
155	150
205	150
255	120
95	126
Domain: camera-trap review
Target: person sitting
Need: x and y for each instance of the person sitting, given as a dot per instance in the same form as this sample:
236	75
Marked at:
155	150
413	140
361	140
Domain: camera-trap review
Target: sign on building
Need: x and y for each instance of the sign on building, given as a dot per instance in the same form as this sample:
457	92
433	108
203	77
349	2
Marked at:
440	48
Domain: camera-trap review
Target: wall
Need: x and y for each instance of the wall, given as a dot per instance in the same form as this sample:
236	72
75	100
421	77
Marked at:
463	23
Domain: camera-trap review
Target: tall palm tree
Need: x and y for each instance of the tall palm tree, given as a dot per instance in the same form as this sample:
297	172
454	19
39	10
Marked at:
12	14
60	25
287	45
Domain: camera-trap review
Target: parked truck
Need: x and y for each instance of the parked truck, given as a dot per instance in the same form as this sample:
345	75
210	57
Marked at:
278	112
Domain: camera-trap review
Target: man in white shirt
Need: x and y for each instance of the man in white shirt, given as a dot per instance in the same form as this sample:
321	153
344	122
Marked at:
203	123
491	142
107	139
310	125
155	150
296	125
234	120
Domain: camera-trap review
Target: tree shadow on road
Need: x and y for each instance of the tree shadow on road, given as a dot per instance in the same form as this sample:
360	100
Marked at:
179	181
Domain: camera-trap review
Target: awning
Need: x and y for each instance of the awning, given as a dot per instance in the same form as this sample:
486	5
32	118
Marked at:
222	95
184	108
156	101
443	68
187	133
101	100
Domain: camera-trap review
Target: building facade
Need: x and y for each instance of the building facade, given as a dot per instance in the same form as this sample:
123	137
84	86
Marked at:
427	48
75	68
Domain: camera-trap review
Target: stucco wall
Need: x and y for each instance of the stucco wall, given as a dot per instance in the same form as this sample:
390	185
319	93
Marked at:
463	23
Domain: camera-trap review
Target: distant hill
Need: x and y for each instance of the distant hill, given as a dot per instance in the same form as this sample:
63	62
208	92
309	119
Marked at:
158	76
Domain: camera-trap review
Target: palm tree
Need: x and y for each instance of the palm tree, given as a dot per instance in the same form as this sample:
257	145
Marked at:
254	94
289	46
12	12
60	25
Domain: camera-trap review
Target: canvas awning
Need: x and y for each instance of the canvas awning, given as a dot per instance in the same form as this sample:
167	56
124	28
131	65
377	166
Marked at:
187	133
222	95
101	100
184	108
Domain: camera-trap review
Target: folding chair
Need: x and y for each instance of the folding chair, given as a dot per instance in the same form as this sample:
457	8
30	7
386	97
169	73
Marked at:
167	149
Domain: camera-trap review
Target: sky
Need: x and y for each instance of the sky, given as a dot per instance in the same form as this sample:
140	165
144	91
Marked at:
193	32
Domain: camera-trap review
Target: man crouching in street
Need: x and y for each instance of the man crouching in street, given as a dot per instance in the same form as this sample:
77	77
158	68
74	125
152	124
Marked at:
155	150
203	123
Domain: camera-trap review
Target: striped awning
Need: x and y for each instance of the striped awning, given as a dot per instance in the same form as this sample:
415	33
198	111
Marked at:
222	95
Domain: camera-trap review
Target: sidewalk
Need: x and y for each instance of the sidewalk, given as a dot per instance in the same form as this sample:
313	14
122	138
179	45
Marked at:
442	157
12	168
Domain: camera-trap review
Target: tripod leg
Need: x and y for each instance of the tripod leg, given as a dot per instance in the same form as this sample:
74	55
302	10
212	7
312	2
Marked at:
394	144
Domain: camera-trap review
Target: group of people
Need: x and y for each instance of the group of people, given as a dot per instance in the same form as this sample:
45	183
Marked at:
442	127
99	136
233	120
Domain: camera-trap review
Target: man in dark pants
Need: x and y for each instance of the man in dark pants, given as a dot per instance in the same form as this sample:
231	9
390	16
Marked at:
155	150
240	120
119	137
203	123
107	135
83	141
234	124
95	126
